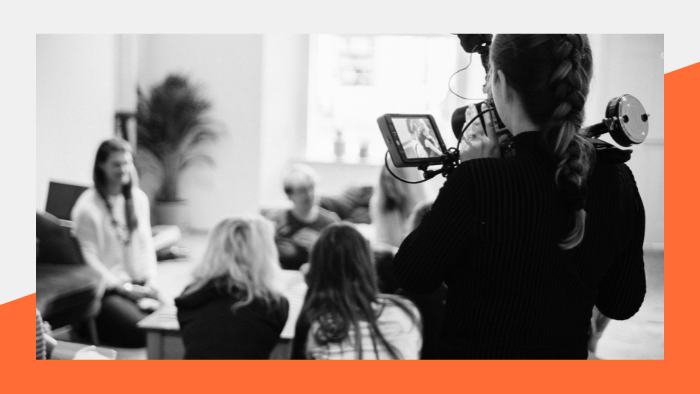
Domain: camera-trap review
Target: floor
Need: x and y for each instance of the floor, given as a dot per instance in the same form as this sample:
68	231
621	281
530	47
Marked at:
639	338
642	336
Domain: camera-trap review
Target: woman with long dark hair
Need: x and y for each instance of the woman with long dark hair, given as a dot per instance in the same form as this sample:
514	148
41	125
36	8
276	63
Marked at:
344	316
528	243
112	223
231	310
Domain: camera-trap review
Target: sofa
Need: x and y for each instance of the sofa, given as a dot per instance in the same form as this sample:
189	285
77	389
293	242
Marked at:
68	291
352	205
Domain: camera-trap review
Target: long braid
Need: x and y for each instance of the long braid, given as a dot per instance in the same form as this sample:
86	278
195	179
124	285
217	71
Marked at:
571	150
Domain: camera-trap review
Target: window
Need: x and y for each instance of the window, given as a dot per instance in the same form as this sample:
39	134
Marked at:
354	79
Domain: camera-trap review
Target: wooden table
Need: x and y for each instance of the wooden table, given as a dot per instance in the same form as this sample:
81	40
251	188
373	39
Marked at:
164	340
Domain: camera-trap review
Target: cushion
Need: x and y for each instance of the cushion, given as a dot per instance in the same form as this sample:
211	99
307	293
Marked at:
352	205
56	244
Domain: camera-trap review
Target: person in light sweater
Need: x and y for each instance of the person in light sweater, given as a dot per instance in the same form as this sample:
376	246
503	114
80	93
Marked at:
112	224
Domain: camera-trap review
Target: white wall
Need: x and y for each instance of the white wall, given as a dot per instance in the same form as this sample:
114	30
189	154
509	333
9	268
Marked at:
75	90
622	64
284	111
258	85
229	69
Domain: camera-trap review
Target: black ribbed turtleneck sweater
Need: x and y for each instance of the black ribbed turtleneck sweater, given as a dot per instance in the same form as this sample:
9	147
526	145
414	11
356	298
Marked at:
492	237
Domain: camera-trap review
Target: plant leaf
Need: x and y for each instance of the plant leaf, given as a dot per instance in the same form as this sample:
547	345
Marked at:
172	125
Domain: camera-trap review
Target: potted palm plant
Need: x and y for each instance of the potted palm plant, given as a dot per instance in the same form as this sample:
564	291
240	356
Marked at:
172	129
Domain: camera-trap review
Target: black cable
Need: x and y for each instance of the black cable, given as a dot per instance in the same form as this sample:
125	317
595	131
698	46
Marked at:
459	140
449	82
386	164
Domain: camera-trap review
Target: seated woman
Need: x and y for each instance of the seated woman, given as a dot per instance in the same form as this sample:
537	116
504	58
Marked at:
230	310
112	224
344	316
392	204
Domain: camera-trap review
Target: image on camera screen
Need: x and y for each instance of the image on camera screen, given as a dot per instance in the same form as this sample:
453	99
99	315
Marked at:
417	137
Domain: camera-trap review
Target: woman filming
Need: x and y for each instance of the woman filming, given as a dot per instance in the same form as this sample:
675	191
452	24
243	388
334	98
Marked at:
112	223
529	243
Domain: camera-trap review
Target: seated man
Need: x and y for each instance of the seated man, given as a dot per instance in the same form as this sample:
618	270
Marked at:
296	229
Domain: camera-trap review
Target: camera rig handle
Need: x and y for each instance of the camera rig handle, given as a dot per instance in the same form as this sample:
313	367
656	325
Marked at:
625	120
450	161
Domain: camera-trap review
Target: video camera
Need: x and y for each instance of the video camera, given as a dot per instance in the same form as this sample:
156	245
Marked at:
415	141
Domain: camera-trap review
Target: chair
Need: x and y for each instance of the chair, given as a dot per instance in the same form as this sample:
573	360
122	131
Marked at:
68	291
61	198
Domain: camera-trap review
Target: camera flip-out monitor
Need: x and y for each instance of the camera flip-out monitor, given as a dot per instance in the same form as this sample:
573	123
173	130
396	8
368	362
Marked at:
412	140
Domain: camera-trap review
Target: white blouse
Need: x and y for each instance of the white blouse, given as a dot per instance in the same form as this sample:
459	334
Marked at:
102	246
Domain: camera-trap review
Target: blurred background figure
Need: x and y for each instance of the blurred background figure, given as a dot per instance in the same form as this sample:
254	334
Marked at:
392	204
296	229
231	310
344	316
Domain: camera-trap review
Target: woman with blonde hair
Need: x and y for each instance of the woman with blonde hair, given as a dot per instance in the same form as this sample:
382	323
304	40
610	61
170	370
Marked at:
231	309
392	204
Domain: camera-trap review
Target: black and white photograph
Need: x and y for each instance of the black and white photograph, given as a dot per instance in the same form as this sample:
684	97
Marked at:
237	196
